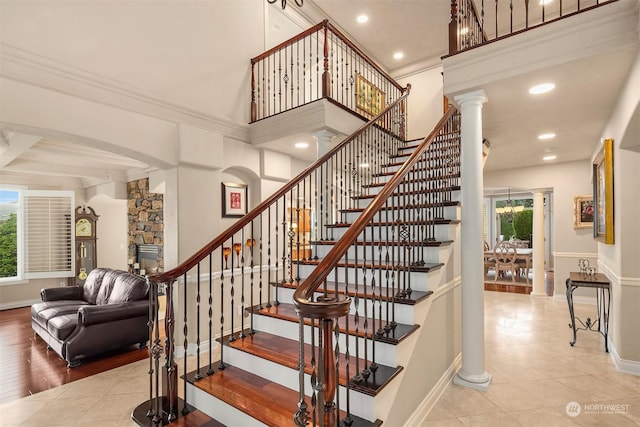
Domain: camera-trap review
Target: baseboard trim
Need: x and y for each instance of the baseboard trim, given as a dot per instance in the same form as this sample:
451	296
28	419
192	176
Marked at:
18	304
419	416
627	366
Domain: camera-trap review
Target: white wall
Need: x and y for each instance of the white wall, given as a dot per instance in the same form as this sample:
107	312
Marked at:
621	261
425	103
145	80
168	51
112	231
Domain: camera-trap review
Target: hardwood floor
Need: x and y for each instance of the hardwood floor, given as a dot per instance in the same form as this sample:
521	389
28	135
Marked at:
28	367
518	288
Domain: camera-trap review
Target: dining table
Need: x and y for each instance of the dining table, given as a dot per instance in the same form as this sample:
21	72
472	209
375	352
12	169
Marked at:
522	254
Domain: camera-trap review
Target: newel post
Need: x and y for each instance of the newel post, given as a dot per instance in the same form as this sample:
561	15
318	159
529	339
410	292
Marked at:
326	77
254	106
453	28
330	374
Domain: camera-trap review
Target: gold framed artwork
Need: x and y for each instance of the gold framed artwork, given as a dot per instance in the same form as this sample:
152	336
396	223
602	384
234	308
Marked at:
603	194
583	212
370	100
234	200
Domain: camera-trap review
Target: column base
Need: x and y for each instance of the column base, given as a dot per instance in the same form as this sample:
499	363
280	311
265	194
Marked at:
538	294
476	382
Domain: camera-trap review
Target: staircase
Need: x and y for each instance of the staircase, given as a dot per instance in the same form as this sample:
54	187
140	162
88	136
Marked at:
308	309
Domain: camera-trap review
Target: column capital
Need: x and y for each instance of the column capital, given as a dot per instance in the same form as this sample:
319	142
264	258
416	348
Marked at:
323	139
323	134
476	97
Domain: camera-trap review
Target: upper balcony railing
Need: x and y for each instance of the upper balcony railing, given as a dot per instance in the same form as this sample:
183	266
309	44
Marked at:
319	63
476	22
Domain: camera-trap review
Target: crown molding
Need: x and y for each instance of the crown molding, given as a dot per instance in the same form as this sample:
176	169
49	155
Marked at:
27	67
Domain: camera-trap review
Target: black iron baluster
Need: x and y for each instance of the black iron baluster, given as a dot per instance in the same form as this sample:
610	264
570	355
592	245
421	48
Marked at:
232	290
210	370
185	330
197	375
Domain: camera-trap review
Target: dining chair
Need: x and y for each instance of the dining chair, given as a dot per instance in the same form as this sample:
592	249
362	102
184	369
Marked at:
488	259
504	255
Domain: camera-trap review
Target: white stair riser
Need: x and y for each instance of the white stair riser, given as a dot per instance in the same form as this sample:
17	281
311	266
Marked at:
221	411
422	186
390	254
449	212
418	280
449	195
391	233
403	312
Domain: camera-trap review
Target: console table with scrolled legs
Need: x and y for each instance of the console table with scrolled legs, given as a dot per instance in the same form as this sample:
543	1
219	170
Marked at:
601	283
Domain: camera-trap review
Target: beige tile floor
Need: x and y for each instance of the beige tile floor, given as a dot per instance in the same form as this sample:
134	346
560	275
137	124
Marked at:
536	374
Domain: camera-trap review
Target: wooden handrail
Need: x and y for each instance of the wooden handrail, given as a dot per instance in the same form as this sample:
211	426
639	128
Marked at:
454	45
328	25
292	40
334	308
173	274
364	55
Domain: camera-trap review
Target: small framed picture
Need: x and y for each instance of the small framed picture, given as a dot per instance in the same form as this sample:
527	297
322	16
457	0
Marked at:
234	200
583	212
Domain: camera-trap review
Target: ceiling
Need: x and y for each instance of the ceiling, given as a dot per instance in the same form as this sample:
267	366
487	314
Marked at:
418	28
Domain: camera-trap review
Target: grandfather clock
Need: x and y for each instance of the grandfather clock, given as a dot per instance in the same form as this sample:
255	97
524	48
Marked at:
85	229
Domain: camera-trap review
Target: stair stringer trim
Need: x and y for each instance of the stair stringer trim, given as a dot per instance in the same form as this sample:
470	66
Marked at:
395	404
419	417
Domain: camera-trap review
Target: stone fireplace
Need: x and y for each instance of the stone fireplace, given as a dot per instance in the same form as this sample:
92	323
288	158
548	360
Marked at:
146	227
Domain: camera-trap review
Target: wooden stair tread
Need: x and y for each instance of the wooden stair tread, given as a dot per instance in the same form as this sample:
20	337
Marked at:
411	298
412	145
447	203
376	243
187	415
438	221
391	335
266	401
196	418
426	268
409	193
418	169
284	351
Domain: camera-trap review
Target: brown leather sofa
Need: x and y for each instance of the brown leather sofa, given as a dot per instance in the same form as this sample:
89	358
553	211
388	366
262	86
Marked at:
108	312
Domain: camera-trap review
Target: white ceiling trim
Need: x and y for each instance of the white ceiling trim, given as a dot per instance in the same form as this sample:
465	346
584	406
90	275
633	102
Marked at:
27	67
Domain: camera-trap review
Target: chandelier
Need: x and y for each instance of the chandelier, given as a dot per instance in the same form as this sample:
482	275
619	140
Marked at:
509	210
284	2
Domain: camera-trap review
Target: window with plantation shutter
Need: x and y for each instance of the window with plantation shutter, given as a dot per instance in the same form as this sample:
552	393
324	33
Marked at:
48	237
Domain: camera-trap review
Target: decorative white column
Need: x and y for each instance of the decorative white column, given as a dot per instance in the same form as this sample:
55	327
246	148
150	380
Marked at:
472	373
538	245
323	142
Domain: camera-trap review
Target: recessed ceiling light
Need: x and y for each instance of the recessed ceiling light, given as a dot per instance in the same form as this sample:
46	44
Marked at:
362	19
398	55
547	136
545	1
542	88
550	157
301	145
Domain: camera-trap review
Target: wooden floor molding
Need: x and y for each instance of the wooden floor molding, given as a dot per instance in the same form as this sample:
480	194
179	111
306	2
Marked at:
29	368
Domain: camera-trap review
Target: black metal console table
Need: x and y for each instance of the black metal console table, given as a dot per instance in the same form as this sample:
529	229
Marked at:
601	283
